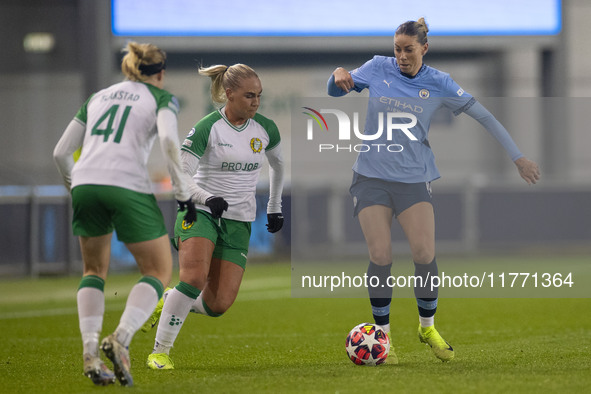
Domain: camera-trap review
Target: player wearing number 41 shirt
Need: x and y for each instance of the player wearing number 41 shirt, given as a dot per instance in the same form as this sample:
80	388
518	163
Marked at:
111	190
224	153
404	94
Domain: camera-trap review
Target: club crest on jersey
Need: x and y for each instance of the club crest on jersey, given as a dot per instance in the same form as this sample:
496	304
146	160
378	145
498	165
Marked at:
186	226
424	93
256	145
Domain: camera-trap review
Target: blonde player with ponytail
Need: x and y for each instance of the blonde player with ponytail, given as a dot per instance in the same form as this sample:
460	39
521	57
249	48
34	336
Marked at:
111	190
224	154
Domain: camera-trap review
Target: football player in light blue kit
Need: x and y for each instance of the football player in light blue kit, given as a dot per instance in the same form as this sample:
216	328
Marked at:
396	182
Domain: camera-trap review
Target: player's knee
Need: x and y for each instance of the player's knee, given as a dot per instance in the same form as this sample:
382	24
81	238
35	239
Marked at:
193	278
164	278
380	257
161	272
196	282
193	275
423	256
165	273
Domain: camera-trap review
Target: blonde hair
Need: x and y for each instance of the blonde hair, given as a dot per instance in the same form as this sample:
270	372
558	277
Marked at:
412	28
140	55
223	77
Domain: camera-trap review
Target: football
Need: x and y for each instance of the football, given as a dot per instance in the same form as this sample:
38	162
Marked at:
367	344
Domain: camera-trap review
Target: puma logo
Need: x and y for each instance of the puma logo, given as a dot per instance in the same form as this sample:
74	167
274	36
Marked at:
387	83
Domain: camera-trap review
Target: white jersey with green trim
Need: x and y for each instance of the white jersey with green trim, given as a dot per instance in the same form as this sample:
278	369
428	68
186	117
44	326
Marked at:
120	131
230	159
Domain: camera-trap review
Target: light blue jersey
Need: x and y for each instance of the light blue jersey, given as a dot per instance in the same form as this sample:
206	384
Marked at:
397	99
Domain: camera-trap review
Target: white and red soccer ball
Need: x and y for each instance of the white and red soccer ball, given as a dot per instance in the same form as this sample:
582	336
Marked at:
368	344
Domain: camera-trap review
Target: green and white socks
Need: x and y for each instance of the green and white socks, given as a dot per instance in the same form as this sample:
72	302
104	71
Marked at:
174	312
140	304
91	308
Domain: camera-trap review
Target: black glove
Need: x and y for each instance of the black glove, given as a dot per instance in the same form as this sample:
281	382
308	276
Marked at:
191	214
275	222
217	205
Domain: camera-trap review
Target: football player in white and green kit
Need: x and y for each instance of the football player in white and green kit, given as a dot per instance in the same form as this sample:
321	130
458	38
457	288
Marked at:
111	190
224	153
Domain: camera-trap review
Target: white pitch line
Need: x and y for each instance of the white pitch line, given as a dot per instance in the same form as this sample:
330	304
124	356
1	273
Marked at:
38	313
258	295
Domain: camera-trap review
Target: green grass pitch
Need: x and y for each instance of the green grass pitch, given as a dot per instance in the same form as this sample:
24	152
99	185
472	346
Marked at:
269	342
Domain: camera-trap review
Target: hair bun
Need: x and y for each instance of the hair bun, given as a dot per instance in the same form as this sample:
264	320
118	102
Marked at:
422	22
